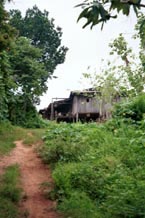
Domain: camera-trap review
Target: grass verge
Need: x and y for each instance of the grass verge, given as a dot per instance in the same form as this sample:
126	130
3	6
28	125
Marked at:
9	134
10	192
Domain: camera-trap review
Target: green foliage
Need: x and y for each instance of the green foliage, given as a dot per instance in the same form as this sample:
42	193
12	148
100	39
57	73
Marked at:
22	84
7	137
107	175
120	80
94	14
42	32
131	75
57	150
28	75
6	85
100	11
133	109
7	35
26	63
34	120
140	27
7	32
23	113
10	193
28	72
120	46
78	205
60	138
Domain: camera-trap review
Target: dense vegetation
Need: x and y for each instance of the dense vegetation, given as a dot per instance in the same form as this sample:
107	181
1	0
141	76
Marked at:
27	60
98	169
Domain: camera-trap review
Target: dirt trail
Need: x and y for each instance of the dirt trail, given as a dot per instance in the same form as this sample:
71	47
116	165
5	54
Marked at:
33	174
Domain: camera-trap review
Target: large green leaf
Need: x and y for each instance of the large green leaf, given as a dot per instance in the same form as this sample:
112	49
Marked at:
100	11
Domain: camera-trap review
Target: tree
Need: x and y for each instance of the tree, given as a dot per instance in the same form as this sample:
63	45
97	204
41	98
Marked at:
33	59
125	78
43	34
6	84
140	28
7	32
29	76
7	35
101	11
133	74
28	72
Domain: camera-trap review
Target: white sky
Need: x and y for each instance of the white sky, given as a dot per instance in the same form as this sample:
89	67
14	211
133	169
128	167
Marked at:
86	47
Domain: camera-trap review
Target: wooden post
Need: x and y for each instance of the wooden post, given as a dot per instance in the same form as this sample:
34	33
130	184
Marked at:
77	117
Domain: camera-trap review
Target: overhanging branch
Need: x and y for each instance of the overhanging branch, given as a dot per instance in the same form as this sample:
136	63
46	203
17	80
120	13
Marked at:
135	4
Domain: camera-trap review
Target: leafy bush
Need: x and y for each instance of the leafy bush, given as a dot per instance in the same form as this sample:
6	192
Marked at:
59	139
25	117
79	205
133	109
34	121
71	142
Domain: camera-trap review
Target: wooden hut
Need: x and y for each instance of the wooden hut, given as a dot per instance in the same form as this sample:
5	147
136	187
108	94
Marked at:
84	105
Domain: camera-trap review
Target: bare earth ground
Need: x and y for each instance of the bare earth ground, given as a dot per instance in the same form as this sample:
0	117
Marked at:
33	174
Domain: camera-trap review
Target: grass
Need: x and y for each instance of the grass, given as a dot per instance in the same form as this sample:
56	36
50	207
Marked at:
10	192
9	134
34	136
99	171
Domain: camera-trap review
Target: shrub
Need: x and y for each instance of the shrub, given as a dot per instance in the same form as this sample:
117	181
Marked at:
133	109
79	205
72	142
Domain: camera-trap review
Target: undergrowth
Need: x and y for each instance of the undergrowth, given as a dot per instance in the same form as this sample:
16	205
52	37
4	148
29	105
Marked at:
98	169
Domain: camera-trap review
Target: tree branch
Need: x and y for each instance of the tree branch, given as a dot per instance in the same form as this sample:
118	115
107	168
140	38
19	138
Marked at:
135	4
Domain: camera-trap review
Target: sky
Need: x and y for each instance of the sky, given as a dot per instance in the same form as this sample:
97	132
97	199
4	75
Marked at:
86	47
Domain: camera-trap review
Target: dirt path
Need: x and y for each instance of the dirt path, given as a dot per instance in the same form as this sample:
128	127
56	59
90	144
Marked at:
33	174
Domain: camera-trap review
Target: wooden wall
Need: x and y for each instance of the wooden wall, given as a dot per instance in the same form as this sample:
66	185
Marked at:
83	104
